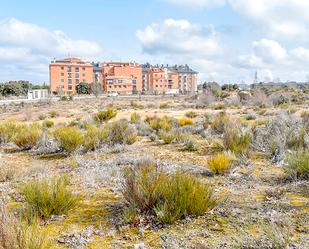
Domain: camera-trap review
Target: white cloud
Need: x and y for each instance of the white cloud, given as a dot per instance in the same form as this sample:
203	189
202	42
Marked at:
180	36
270	51
198	3
276	18
23	43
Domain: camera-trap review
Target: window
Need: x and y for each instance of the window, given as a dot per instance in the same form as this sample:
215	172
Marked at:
69	69
134	82
120	86
70	81
70	75
62	74
110	86
76	75
62	68
76	69
84	68
125	86
77	82
62	80
84	80
156	85
70	87
84	74
109	81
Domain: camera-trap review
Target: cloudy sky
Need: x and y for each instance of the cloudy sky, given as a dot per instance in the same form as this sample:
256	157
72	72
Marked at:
225	40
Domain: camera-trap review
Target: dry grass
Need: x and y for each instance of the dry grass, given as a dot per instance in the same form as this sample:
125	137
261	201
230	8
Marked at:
219	163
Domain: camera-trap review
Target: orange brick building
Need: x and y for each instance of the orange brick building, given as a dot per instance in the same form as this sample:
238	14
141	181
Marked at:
67	73
122	77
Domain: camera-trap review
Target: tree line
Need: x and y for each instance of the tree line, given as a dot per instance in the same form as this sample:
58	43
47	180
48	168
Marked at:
18	88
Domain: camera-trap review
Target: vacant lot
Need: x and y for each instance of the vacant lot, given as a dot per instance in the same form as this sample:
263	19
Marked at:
106	173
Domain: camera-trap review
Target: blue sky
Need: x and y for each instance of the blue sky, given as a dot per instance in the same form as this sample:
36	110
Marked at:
225	40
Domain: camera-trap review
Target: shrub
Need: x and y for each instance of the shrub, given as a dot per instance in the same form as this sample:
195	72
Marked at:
104	116
53	114
16	234
27	136
191	145
164	105
186	121
7	130
165	123
298	164
135	117
42	117
236	140
136	105
6	174
121	132
48	123
167	137
219	164
191	114
92	137
70	138
45	198
167	197
219	122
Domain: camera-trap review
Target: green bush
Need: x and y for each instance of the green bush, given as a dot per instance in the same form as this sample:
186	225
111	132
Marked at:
104	116
53	114
298	164
235	140
167	137
167	197
191	145
27	136
45	198
120	132
135	117
48	123
70	138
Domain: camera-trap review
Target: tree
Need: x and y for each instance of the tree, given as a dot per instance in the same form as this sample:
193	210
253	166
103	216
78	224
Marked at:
96	89
83	88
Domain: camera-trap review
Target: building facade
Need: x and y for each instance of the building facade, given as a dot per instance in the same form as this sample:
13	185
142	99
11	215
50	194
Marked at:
122	77
67	73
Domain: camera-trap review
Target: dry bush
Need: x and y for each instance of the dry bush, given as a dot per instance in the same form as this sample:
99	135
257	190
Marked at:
27	136
191	114
16	234
7	174
92	138
219	163
165	123
104	116
7	131
236	139
186	121
220	121
120	132
48	123
45	198
259	98
191	145
167	197
136	105
70	138
135	117
164	105
53	114
298	164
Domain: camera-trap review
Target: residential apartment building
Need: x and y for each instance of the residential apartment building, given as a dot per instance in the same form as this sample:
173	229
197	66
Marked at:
161	80
122	77
67	73
169	79
187	78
